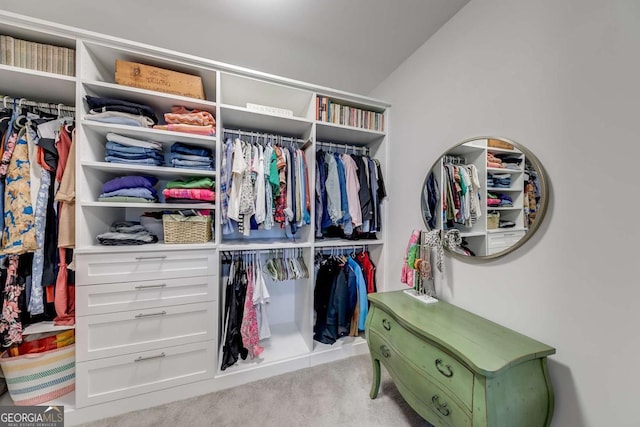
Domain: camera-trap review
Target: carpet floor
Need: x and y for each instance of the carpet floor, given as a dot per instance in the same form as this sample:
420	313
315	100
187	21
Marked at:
333	394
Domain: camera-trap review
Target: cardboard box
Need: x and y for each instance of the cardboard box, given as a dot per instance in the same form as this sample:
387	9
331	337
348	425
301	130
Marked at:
158	79
497	143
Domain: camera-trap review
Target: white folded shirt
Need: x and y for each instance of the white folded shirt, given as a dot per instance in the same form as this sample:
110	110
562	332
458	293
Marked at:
131	142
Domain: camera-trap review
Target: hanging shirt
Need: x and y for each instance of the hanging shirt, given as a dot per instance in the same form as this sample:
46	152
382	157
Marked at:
237	172
260	187
353	188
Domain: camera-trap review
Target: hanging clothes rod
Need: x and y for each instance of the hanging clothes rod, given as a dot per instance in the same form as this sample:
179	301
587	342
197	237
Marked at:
8	100
345	147
342	249
240	132
263	251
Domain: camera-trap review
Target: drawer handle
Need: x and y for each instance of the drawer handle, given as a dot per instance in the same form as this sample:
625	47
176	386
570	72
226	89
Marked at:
164	285
386	324
140	316
384	351
147	258
441	407
142	359
448	373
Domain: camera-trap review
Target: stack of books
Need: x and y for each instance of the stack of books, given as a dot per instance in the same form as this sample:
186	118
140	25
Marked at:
37	56
328	110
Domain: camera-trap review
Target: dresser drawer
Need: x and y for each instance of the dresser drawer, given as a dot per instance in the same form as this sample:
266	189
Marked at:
444	368
434	403
122	267
112	334
114	297
103	380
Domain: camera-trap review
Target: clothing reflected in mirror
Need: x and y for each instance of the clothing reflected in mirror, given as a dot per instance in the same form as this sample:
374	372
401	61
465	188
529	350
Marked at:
491	190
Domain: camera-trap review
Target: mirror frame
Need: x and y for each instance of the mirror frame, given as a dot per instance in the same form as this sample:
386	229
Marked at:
544	199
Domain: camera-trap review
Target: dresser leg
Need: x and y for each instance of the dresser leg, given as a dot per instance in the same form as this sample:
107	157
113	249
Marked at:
375	386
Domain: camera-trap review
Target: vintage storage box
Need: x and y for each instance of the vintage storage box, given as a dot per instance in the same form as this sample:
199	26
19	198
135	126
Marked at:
497	143
158	79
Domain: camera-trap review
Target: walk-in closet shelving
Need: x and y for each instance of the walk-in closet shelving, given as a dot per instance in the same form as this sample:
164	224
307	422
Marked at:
169	297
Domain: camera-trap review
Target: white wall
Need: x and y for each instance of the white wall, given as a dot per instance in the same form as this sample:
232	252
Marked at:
561	77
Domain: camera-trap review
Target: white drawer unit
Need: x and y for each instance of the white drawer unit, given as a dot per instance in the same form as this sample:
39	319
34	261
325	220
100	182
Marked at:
114	297
113	334
103	380
497	242
96	268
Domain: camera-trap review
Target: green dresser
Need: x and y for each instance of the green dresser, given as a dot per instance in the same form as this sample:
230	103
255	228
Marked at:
458	369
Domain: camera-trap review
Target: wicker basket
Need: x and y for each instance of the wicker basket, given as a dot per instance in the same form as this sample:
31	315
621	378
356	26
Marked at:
186	229
493	220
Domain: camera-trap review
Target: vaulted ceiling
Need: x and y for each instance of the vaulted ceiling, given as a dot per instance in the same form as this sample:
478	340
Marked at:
345	44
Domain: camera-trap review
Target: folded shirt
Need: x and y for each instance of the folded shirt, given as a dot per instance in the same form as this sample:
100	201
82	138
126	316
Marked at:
147	161
102	104
133	156
116	117
111	145
193	164
130	181
190	193
193	182
191	117
145	193
112	239
202	159
197	130
125	199
132	142
181	148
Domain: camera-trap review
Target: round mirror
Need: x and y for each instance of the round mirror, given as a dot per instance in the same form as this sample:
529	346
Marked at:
492	190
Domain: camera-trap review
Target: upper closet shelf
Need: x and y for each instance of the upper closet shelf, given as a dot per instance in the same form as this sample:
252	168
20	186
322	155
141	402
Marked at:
261	245
342	243
37	85
160	102
164	136
504	170
241	118
330	132
150	206
158	171
147	248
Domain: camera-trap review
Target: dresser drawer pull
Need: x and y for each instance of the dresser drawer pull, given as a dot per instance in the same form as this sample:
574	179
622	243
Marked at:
386	324
448	373
141	316
164	285
148	258
441	407
385	351
142	359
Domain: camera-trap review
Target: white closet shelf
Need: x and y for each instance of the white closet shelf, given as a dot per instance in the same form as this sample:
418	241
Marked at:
44	327
242	118
160	102
504	170
472	233
261	245
38	85
504	208
504	150
319	347
342	243
498	189
331	132
503	230
158	171
150	247
286	343
153	206
163	136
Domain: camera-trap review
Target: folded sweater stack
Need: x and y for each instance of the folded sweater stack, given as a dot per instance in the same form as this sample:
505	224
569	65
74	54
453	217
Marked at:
190	157
191	190
131	189
126	233
182	119
116	111
122	149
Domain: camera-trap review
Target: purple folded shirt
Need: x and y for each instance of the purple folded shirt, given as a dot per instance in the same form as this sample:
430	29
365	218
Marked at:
133	181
